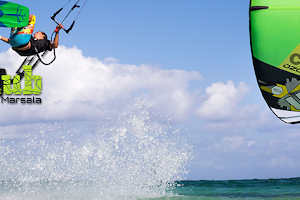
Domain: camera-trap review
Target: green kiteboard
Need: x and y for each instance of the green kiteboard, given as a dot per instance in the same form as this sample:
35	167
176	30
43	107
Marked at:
13	15
275	45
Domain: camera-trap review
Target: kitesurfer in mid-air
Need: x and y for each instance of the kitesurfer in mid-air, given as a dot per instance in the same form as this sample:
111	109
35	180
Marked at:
24	44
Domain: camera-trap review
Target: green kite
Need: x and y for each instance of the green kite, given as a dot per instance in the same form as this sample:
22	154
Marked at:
275	45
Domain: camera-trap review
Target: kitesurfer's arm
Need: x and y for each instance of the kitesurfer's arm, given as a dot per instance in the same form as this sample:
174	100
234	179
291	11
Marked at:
55	41
4	39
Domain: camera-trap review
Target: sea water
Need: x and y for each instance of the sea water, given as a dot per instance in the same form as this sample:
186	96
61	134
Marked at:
237	189
180	190
127	156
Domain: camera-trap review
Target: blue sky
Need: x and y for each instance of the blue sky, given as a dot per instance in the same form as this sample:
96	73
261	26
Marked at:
188	60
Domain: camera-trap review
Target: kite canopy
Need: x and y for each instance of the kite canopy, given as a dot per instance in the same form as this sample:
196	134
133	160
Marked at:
275	45
13	15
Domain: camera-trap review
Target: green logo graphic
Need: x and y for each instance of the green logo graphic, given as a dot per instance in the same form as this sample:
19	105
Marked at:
33	84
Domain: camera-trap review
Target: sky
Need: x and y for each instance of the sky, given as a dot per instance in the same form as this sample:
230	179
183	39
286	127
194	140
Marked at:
188	61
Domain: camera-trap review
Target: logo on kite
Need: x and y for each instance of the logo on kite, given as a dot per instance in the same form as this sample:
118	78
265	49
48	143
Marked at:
288	95
292	62
295	59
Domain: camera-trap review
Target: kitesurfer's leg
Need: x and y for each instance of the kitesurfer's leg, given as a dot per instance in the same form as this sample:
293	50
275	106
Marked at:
21	36
30	18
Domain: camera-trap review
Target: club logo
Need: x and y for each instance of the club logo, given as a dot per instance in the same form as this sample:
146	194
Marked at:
33	86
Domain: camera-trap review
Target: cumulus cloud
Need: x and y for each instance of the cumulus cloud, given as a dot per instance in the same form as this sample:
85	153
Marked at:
222	100
75	87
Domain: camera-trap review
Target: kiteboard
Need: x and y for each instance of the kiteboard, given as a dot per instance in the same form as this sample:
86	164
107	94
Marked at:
13	15
275	46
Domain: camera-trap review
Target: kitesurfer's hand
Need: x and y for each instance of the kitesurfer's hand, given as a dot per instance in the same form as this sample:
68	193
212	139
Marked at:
59	26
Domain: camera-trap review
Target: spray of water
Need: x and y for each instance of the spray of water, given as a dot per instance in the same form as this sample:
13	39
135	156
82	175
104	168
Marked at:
125	157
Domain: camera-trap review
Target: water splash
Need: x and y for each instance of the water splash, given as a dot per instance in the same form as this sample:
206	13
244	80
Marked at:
125	157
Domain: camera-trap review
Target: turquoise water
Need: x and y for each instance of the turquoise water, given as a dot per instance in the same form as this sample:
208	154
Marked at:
238	189
180	190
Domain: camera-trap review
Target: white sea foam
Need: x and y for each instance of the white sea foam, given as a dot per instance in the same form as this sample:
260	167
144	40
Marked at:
126	157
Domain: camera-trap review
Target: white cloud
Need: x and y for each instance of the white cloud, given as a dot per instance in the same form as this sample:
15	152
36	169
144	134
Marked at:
77	87
222	100
281	162
74	87
237	143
